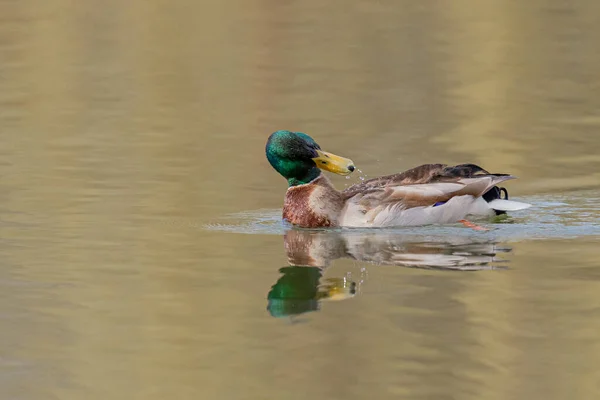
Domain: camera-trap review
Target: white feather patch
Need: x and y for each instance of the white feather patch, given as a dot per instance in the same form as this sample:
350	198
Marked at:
508	205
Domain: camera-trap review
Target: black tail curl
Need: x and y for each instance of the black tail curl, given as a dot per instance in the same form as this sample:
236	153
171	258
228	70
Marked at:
496	193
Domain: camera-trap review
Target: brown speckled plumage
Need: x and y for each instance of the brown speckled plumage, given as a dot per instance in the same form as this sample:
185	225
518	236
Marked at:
313	205
426	173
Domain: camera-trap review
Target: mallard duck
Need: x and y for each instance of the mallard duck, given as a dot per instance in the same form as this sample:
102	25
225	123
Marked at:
424	195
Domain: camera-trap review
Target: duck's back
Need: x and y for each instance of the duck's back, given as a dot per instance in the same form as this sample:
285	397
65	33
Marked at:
418	175
406	198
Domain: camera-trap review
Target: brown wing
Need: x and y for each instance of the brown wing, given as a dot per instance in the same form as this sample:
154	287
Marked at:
426	173
418	175
439	183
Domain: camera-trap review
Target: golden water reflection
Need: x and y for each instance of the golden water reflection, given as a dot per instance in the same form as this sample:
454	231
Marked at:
302	285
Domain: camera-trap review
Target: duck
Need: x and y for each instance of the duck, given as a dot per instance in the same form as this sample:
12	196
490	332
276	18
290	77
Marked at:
428	194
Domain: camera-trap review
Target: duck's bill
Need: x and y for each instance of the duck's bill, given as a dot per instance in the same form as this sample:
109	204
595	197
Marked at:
332	163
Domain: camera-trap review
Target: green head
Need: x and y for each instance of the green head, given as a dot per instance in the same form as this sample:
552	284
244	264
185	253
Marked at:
299	159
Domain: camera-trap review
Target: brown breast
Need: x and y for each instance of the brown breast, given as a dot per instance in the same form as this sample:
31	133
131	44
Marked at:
313	205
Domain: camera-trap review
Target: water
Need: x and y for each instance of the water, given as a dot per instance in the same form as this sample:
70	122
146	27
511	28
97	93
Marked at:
143	256
565	216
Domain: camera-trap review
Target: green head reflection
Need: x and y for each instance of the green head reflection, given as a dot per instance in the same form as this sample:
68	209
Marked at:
295	292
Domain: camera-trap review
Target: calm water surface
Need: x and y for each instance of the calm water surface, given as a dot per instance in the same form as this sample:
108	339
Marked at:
141	251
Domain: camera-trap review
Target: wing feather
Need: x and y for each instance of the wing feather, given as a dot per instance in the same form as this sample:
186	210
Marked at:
423	186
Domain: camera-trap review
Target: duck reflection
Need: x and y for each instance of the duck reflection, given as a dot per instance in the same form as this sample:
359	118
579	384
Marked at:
302	285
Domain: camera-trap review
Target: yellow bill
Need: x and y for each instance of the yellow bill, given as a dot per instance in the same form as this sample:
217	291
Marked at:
332	163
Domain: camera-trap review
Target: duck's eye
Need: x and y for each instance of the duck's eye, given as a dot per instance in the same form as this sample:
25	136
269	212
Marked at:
323	162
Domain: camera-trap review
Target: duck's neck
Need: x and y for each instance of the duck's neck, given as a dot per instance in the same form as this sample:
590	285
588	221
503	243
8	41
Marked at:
315	204
310	175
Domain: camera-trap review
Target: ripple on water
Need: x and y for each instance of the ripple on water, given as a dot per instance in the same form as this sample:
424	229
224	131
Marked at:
567	215
261	222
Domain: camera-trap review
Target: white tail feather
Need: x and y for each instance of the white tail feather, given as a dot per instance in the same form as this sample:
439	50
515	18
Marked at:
507	205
